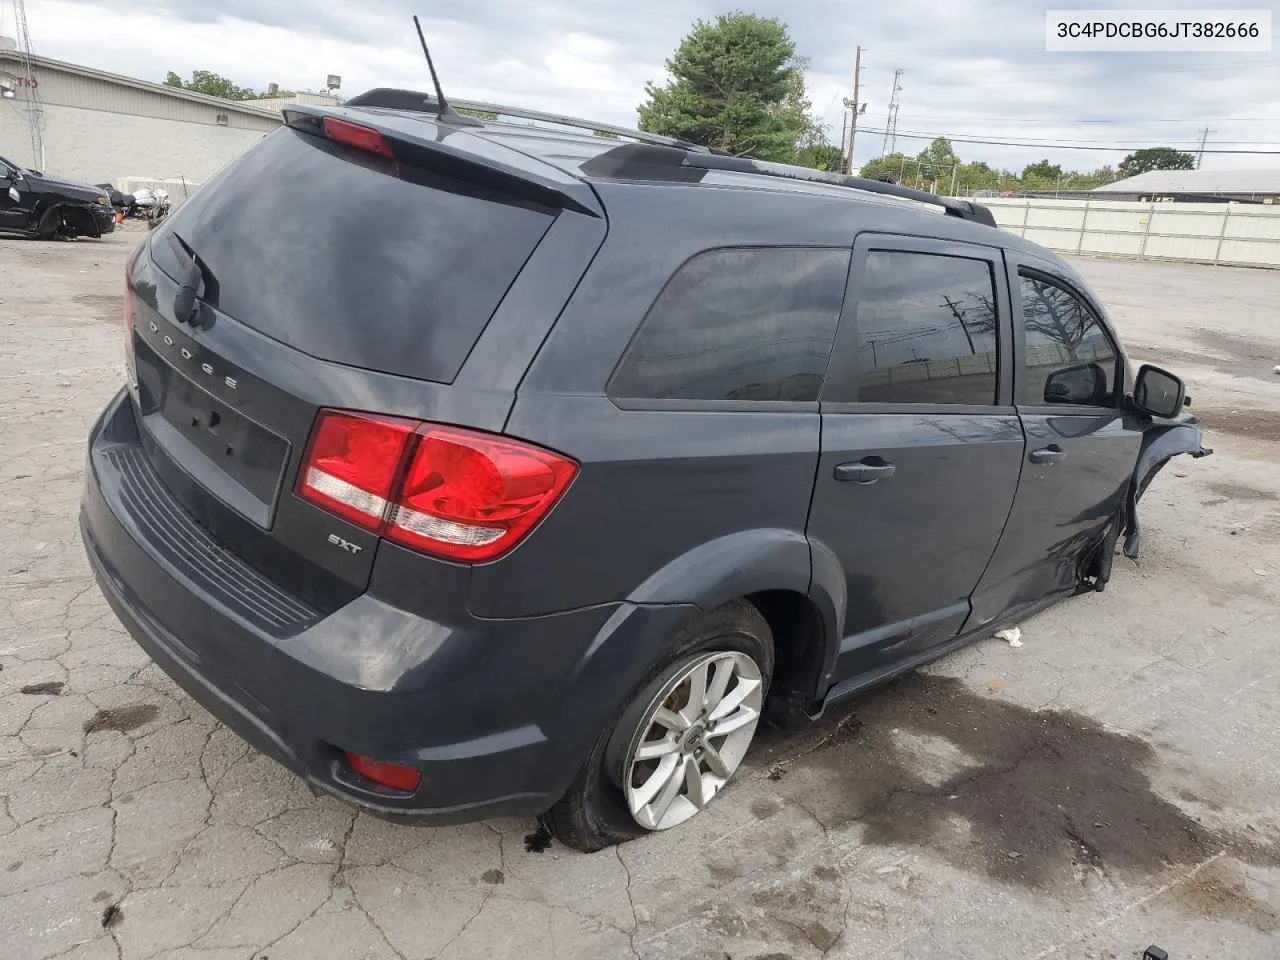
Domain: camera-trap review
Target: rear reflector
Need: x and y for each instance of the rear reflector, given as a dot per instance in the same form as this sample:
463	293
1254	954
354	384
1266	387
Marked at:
445	491
354	135
397	776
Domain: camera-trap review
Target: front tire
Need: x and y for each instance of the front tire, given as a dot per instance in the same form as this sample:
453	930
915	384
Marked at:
678	740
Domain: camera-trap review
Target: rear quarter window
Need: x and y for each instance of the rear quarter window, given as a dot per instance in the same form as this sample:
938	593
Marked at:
354	260
739	324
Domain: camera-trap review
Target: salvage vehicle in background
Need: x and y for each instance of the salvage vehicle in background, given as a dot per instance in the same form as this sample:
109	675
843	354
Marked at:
484	469
33	204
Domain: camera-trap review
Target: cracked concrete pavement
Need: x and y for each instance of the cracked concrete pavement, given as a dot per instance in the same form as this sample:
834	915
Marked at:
1112	783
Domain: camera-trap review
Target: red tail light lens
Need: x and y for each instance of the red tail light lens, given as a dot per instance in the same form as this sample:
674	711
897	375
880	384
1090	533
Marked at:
354	135
446	491
352	462
397	776
470	496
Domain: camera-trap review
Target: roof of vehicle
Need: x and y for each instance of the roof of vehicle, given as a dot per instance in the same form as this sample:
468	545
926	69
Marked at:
593	151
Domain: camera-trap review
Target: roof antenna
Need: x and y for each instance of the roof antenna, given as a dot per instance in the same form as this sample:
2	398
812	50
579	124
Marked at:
444	112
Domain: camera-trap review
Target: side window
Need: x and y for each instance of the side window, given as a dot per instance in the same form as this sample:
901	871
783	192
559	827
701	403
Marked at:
926	331
1069	358
739	324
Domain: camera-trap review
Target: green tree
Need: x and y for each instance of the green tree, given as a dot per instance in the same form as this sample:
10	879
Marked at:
891	164
736	85
938	156
210	83
815	150
1042	170
820	155
1156	158
976	176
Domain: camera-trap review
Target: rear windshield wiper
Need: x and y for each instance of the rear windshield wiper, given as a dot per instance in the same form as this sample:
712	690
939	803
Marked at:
194	273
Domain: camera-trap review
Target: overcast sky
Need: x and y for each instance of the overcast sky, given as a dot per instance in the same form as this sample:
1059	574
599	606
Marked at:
971	67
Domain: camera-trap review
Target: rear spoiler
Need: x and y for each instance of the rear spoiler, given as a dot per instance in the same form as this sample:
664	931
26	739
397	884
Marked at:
419	142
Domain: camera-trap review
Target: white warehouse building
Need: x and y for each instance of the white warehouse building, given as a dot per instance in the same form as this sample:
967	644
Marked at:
98	127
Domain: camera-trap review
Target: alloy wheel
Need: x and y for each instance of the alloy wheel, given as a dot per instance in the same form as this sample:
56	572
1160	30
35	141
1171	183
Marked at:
692	738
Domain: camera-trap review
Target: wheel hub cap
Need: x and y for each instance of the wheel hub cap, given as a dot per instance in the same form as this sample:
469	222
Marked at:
692	738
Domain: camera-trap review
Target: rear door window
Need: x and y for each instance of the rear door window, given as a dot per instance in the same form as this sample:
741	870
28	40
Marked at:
352	260
927	332
739	324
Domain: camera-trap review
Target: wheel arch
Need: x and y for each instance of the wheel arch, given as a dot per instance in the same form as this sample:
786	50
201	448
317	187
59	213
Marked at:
798	587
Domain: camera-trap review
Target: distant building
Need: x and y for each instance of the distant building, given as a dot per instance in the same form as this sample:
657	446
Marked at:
1256	186
278	104
99	127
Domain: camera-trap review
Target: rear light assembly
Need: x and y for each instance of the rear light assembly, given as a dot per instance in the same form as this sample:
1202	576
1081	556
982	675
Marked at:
355	135
446	491
397	776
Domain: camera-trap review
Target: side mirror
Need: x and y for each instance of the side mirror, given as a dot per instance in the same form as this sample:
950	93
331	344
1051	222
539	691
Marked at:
1085	383
1158	392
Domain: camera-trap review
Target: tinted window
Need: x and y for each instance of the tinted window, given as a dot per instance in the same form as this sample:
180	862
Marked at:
752	324
350	260
1069	358
926	332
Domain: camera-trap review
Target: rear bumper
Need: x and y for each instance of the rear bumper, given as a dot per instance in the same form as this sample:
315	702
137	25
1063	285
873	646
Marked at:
375	679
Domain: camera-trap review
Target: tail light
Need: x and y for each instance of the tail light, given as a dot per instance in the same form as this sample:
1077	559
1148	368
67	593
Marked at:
446	491
354	135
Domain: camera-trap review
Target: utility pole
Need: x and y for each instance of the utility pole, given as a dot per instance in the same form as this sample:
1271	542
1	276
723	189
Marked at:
1204	135
854	106
30	89
891	124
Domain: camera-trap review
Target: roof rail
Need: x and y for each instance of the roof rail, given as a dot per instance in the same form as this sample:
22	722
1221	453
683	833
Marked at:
661	162
396	99
964	209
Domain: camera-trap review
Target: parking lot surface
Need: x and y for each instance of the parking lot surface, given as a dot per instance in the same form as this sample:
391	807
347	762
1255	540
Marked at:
1114	782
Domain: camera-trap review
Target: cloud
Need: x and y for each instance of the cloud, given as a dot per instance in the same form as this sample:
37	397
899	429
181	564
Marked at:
973	68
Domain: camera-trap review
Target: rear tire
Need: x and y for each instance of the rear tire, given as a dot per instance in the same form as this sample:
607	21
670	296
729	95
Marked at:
594	812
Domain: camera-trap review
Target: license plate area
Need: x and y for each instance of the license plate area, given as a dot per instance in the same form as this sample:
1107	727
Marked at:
235	458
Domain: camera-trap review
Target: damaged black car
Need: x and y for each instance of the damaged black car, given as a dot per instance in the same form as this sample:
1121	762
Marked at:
42	207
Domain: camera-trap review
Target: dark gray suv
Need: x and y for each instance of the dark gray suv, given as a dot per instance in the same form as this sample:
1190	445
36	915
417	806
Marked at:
497	469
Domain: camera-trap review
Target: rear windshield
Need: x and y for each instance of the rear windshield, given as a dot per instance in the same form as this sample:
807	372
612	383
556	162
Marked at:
330	253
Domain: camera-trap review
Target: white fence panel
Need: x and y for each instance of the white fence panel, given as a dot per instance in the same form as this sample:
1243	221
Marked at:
1196	232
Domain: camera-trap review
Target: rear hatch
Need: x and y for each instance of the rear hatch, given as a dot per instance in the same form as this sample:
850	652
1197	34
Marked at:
312	273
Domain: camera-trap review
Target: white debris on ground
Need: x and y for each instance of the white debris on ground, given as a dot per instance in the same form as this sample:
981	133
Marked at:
1012	636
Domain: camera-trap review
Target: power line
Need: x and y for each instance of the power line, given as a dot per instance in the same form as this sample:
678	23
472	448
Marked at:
1052	141
1130	120
993	75
1059	146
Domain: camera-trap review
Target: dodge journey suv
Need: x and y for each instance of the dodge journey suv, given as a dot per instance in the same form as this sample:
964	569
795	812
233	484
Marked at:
476	469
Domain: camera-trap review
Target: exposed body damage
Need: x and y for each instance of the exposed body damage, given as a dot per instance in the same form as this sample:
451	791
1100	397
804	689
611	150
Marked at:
1160	444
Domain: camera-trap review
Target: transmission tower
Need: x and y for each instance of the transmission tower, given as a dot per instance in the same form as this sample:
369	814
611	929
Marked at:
891	124
26	87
